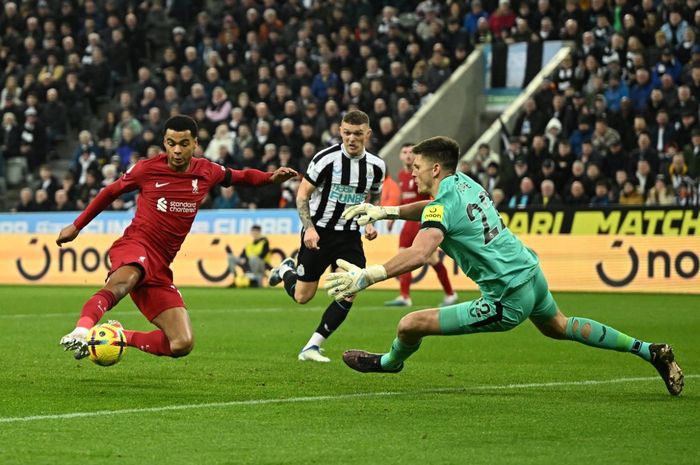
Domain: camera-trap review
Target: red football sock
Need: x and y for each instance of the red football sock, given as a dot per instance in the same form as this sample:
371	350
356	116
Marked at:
444	279
94	308
405	284
153	342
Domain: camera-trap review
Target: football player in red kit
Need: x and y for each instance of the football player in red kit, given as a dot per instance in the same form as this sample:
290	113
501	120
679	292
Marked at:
409	194
172	186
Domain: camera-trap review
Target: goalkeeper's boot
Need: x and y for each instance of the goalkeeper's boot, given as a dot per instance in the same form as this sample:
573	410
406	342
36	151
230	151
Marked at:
278	272
665	363
400	301
313	354
449	300
76	341
367	362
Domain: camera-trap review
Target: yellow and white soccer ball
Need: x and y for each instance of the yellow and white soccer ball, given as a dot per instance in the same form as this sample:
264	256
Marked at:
106	344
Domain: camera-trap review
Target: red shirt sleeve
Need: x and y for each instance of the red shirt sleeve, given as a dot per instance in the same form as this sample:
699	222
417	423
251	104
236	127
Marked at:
128	182
249	176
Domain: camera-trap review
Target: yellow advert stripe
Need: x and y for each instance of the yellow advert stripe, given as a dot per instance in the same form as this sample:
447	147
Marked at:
571	263
635	222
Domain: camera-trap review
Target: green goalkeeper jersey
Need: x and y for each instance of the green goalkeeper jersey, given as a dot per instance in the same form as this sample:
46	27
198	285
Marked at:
476	238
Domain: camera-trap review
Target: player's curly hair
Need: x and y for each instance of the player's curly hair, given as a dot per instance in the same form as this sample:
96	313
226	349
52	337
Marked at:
441	149
181	123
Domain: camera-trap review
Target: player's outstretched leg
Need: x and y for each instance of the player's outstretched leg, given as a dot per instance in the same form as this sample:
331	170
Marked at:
367	362
664	361
92	311
152	342
595	334
412	328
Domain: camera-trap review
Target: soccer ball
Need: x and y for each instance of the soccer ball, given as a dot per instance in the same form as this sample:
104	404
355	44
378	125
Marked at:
106	344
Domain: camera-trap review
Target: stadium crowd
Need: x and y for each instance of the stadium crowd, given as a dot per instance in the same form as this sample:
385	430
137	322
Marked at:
268	82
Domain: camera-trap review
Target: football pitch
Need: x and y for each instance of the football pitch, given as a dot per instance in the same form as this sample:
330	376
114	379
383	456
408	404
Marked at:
241	397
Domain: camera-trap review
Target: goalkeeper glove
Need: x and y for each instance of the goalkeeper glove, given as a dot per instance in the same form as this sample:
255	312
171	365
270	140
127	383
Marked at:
352	279
368	213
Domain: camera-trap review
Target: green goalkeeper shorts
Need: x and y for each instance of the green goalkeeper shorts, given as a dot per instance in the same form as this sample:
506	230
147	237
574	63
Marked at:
530	300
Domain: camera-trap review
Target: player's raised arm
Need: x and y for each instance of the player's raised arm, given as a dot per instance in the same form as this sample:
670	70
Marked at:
368	213
255	177
101	201
354	279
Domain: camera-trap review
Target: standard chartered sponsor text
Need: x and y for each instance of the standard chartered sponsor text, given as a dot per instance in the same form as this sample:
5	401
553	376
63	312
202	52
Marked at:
182	207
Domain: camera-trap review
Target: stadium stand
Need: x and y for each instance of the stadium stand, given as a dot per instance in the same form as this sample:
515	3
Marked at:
87	85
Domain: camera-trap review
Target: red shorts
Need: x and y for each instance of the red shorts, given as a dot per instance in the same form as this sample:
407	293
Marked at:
408	233
155	292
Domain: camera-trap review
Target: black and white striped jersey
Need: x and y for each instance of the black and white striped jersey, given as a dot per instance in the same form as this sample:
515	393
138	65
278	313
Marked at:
341	181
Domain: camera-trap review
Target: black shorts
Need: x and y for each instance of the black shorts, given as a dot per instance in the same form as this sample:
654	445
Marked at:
333	245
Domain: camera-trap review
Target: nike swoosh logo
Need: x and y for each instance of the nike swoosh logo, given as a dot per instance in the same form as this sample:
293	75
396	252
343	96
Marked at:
159	184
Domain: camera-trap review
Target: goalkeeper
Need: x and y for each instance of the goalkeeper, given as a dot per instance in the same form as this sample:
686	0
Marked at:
464	223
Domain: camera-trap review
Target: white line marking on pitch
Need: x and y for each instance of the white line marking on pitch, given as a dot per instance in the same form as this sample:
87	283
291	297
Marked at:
291	400
195	312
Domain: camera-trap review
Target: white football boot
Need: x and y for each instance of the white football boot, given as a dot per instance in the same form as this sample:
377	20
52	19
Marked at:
313	354
76	341
449	300
278	272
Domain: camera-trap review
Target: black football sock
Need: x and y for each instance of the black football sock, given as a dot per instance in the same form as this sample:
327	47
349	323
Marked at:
290	282
333	317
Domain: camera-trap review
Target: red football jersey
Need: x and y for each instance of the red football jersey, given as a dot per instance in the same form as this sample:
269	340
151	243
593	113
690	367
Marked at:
168	201
409	190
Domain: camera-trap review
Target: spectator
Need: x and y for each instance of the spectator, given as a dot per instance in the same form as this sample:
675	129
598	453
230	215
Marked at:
691	154
630	195
502	19
677	170
62	202
438	68
325	79
661	194
42	203
55	114
603	136
687	194
644	176
221	147
32	143
127	120
548	196
26	201
525	195
471	19
641	90
576	195
128	144
9	138
227	199
530	122
219	107
72	94
11	95
601	197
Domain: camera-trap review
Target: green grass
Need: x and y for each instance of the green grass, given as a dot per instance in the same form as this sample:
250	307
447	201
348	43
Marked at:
460	399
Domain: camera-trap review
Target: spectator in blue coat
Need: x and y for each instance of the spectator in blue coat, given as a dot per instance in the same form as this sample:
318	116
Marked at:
325	79
471	19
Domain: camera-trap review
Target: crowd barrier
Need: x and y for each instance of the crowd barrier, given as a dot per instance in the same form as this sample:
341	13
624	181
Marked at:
621	250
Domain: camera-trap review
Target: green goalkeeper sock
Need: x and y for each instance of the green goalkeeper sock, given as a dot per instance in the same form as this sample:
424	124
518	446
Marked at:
398	353
605	337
